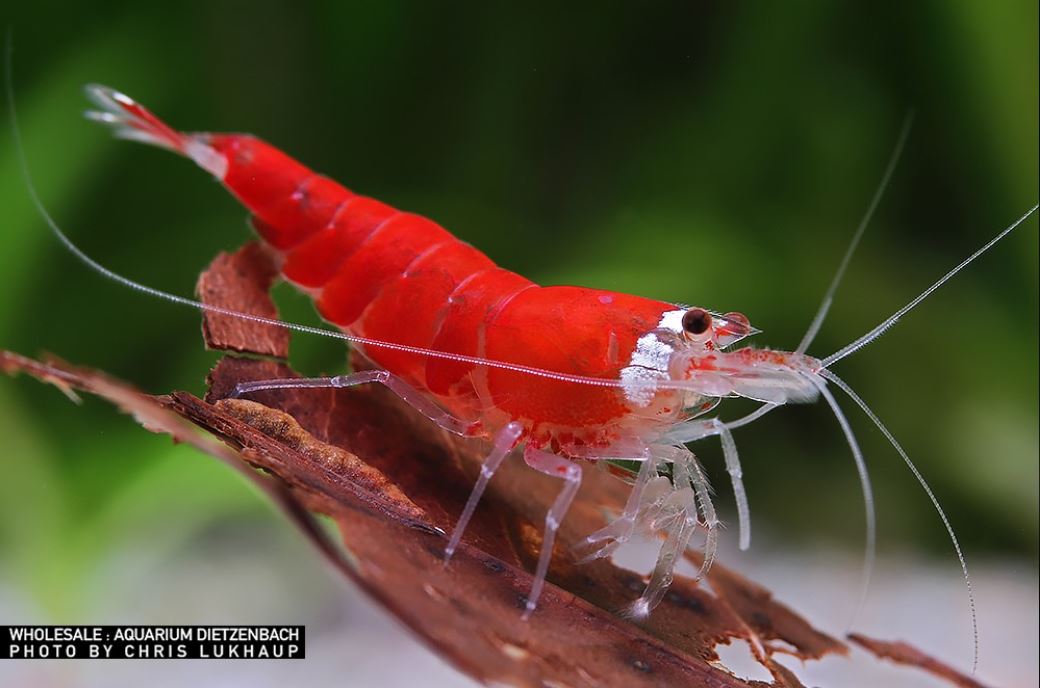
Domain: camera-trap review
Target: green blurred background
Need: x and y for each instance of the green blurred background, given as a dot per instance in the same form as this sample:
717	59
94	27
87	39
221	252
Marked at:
711	153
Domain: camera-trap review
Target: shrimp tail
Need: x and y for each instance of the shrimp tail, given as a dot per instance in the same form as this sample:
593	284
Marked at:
131	120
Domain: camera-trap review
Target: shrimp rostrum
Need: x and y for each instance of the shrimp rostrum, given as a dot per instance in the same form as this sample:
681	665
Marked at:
565	375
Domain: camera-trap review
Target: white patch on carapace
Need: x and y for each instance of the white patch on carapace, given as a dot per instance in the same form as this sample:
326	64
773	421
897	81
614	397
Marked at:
648	365
640	384
672	320
651	353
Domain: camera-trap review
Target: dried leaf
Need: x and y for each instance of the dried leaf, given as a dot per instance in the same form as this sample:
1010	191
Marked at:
240	282
395	483
468	610
904	653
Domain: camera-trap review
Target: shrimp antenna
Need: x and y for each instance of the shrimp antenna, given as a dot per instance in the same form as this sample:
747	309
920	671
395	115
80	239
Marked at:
858	344
931	495
828	298
870	545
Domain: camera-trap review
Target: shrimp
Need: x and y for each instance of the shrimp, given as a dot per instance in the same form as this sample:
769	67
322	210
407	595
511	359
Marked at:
568	375
382	274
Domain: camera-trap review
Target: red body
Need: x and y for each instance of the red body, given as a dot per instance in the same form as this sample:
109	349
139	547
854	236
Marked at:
493	348
386	274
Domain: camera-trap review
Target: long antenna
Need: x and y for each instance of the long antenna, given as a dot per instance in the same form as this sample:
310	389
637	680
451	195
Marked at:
931	495
870	545
828	299
852	347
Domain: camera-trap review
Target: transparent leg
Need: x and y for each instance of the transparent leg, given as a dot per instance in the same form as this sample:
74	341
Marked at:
406	392
619	531
736	474
678	518
699	429
570	472
505	440
676	515
687	464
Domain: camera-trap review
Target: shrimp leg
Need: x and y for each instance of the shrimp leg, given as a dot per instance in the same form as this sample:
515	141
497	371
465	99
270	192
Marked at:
710	427
620	530
687	467
659	505
569	471
505	440
677	515
406	392
699	429
736	474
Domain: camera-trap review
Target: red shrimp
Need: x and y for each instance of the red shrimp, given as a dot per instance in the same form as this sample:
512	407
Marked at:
569	373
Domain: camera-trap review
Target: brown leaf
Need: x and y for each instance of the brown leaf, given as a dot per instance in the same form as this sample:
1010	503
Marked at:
395	483
904	653
469	610
766	618
240	282
527	495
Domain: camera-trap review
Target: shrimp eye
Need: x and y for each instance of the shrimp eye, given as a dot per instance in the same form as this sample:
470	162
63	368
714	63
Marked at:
696	321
